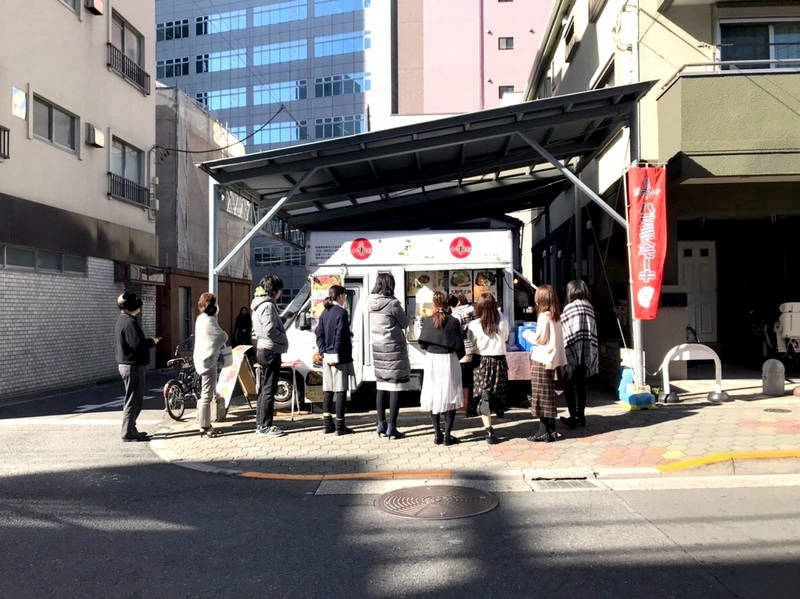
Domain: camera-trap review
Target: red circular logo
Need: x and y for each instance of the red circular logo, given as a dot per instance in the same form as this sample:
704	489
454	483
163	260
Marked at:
361	248
460	247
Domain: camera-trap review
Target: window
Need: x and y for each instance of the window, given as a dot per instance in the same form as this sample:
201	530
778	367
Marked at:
282	132
127	40
282	91
239	133
221	61
52	124
503	89
41	260
223	99
339	85
771	41
333	7
73	4
339	126
505	43
219	23
172	67
172	30
280	52
595	9
279	256
126	161
281	12
342	43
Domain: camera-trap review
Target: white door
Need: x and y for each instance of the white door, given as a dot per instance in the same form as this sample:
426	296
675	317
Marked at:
697	261
355	308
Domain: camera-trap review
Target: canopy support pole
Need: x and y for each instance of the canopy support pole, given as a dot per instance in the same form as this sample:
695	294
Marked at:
213	271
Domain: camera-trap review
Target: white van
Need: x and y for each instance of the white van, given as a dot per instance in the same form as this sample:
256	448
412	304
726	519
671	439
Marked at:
421	262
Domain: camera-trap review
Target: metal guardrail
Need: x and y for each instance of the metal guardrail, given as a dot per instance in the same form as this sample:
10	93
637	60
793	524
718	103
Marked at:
128	69
120	187
5	143
735	67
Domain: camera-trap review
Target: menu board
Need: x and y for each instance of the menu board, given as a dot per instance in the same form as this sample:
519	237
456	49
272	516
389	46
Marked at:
461	282
319	292
484	281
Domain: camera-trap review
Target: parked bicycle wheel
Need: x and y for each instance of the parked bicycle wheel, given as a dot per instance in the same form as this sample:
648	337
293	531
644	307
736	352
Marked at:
174	401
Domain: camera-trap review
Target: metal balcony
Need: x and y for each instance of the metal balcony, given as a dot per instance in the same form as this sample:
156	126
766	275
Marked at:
128	69
125	189
5	143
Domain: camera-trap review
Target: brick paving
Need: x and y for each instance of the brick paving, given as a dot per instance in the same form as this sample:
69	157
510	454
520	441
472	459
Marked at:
614	438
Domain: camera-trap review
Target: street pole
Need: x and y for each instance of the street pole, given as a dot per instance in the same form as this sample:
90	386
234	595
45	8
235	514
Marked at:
212	239
578	234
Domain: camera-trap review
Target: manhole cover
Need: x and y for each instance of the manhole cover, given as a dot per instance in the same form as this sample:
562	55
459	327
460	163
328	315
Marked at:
777	410
437	502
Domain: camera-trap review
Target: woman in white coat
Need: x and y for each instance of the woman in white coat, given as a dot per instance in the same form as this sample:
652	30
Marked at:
209	339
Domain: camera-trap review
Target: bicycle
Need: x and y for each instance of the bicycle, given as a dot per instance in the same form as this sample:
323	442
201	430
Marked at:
187	384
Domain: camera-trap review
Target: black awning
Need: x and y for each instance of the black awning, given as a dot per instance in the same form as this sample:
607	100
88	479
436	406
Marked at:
472	164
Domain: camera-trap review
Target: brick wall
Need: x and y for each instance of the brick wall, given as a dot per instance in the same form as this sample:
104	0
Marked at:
56	331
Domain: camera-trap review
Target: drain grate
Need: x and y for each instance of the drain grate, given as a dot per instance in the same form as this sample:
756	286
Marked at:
778	410
563	485
437	502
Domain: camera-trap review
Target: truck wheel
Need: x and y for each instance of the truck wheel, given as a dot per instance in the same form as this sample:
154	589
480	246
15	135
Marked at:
283	397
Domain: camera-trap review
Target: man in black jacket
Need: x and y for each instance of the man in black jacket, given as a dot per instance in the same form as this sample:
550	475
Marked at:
132	351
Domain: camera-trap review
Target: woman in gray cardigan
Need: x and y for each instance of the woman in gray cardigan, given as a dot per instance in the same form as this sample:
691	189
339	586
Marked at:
388	322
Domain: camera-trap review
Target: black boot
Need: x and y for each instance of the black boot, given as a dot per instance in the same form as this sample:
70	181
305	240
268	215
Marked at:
341	429
491	439
327	422
449	419
542	435
327	410
380	411
437	431
393	433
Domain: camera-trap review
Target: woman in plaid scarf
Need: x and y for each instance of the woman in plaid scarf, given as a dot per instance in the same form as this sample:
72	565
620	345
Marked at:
580	344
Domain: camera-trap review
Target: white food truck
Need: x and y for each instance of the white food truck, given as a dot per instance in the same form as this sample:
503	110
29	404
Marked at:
421	262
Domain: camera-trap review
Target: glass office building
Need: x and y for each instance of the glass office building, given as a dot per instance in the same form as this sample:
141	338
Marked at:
243	59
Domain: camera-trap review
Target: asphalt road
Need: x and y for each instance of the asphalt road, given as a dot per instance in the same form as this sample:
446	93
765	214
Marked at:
84	515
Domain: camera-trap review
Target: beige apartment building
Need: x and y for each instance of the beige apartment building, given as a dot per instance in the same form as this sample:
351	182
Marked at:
724	117
77	208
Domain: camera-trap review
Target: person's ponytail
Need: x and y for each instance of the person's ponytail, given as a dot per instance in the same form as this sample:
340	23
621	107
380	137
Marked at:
334	291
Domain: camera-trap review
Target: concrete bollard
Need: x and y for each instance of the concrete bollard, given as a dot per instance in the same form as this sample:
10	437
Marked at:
773	378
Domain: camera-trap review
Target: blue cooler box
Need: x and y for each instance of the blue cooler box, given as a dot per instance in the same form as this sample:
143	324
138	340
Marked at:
525	333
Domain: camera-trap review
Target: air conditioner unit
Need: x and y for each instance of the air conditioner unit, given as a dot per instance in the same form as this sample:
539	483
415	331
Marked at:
95	136
94	6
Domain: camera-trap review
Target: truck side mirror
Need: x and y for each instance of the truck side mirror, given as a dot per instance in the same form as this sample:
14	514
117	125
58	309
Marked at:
304	322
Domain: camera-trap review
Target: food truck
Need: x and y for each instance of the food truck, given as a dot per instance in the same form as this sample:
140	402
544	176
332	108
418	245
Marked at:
422	262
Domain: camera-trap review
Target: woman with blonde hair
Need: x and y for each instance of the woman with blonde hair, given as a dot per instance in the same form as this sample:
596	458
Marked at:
489	335
209	339
547	361
443	343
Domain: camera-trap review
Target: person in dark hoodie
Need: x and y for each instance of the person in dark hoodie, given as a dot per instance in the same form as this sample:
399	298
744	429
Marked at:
336	347
443	342
132	352
271	343
388	322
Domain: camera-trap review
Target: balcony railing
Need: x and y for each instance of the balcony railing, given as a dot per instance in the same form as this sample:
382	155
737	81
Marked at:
128	69
735	67
5	143
125	189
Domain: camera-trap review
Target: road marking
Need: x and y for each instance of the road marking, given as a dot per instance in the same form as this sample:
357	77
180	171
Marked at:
379	487
37	420
724	457
117	403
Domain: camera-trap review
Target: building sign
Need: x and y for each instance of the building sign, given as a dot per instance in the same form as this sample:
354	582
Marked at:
647	221
460	247
361	248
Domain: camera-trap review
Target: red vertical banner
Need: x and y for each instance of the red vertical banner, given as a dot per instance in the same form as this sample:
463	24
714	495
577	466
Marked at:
647	222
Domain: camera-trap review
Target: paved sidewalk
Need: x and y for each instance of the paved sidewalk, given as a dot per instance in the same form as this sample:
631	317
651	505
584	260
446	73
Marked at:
692	437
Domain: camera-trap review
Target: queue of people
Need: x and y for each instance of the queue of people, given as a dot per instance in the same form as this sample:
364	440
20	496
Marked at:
465	358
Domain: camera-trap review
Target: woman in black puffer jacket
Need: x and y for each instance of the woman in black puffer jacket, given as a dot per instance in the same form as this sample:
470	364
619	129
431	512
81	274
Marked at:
388	322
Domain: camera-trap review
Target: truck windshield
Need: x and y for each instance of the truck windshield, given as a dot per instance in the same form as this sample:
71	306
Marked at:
297	302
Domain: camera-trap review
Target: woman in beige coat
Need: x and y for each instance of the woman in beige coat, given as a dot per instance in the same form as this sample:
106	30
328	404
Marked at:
209	339
547	361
